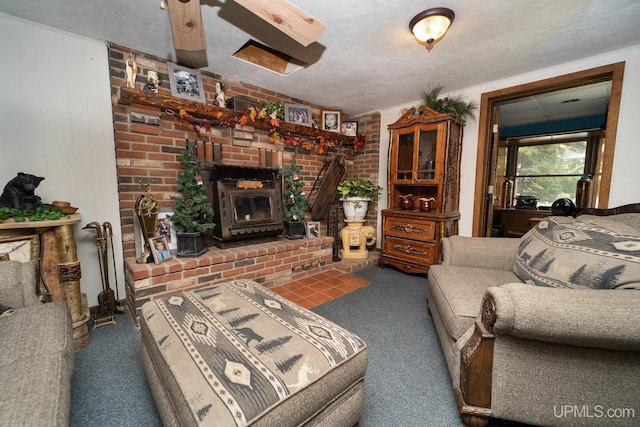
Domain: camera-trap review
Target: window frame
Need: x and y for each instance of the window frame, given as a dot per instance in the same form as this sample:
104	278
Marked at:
593	140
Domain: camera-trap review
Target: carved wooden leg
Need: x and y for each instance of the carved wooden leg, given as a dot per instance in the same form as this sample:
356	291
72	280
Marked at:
474	421
476	369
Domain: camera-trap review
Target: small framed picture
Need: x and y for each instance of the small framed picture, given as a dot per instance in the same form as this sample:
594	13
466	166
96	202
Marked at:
185	82
331	120
297	114
159	249
312	229
350	128
165	228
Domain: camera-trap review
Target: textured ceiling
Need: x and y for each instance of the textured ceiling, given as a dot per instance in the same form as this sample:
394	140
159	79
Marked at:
366	59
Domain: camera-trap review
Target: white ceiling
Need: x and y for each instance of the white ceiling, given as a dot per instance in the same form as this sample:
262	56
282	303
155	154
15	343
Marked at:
583	101
366	59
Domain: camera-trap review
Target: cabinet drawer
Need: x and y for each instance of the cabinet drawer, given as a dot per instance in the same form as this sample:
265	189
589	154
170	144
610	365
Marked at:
418	229
423	253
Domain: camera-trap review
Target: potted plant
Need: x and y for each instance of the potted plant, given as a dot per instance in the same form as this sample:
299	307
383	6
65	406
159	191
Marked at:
295	200
355	195
193	211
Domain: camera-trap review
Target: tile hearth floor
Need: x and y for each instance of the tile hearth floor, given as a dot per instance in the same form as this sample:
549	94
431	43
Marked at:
319	288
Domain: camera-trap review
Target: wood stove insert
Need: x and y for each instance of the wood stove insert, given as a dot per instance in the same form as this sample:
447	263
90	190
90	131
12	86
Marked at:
247	203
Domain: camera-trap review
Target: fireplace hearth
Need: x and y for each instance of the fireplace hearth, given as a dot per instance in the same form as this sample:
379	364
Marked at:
247	203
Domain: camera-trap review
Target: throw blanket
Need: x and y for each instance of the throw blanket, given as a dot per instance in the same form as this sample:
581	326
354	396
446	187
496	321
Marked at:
237	349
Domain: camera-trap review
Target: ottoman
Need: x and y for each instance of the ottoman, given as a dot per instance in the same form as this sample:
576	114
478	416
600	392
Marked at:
237	354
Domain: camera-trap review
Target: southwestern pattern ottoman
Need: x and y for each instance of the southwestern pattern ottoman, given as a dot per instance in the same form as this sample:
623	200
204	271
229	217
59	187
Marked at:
237	354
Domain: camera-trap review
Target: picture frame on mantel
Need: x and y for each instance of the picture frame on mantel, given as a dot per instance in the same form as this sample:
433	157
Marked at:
350	128
332	120
297	114
185	83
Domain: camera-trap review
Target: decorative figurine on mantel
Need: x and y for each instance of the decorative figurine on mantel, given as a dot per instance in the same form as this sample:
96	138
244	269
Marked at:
152	81
219	101
131	70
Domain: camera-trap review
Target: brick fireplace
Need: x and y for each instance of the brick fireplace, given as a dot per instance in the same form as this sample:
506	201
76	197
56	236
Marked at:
148	143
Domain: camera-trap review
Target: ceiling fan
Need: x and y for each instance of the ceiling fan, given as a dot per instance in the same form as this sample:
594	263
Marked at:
188	31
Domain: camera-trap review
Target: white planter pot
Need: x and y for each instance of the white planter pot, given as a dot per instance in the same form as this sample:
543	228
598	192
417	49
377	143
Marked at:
355	208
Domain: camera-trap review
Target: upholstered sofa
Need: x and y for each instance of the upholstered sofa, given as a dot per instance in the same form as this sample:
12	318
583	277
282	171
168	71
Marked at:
37	357
544	329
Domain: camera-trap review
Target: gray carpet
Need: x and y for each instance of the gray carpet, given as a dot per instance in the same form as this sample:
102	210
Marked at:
407	382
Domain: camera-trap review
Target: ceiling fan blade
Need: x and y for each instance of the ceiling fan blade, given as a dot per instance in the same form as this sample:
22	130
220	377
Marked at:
288	18
186	25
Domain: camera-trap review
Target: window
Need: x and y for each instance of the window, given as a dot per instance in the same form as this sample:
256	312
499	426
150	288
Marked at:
548	167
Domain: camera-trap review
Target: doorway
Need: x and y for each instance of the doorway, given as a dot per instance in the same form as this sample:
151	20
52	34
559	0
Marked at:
485	164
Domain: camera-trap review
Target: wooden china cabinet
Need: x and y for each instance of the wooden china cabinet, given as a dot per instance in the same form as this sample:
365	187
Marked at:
424	161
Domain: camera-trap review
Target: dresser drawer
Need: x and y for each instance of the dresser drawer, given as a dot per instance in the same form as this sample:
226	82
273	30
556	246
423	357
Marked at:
418	229
423	253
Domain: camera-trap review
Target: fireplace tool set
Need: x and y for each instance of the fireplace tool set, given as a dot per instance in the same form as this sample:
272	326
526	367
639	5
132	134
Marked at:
108	302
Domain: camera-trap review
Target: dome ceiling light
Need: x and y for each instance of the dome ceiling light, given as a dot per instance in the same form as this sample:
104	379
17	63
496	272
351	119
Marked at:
429	26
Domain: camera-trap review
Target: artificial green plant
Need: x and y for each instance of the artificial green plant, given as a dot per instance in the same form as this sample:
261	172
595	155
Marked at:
193	211
295	201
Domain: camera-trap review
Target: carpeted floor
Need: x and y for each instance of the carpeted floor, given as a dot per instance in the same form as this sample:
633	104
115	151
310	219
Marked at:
407	382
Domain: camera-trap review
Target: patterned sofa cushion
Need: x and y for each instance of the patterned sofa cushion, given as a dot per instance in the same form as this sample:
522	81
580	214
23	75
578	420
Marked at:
587	251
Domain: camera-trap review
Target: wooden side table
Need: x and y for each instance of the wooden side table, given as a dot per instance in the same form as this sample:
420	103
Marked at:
60	268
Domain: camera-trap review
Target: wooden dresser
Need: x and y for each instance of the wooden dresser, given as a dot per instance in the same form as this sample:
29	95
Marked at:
424	161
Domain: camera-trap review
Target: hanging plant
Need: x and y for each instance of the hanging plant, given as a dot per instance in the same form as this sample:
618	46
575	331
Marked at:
454	105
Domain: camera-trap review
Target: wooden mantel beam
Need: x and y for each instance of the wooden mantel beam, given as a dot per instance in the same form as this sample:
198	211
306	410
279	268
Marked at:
130	96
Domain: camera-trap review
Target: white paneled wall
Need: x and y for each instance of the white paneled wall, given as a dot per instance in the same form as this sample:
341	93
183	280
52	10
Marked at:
56	122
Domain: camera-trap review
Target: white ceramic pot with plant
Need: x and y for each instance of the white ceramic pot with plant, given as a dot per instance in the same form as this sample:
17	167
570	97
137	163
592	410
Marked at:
355	195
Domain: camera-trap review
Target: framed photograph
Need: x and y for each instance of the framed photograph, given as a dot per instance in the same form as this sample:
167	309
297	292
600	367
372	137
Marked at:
331	120
159	249
350	128
312	229
185	82
297	114
166	229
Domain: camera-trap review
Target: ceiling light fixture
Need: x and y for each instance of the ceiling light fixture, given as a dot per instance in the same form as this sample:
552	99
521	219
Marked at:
429	26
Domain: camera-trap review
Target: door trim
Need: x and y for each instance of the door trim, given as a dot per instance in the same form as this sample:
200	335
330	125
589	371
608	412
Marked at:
613	72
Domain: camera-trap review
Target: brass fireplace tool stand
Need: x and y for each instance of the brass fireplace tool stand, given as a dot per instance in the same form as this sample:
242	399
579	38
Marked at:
108	302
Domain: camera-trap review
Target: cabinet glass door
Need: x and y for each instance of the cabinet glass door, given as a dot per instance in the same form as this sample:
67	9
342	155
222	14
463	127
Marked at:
404	165
427	141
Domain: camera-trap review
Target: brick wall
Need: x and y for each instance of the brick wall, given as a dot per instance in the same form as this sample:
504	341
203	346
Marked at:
148	144
148	141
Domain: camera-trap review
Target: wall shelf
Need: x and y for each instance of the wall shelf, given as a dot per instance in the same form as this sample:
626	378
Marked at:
211	113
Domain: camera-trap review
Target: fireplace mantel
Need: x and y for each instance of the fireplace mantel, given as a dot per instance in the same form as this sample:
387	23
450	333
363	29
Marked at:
209	112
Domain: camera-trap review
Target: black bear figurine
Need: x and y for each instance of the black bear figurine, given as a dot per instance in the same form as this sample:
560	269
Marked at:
19	192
